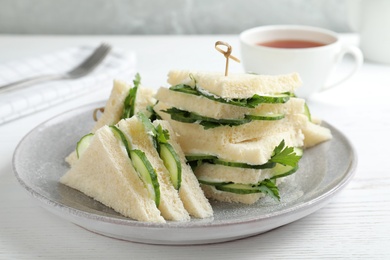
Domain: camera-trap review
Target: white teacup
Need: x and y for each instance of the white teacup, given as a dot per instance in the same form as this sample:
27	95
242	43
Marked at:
371	18
314	64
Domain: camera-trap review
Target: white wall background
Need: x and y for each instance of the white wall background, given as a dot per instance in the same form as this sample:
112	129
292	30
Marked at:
164	17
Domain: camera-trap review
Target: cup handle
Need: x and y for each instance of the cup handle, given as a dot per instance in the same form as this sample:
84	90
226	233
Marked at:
358	57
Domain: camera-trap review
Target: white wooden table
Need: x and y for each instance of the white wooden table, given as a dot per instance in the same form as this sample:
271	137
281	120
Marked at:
355	224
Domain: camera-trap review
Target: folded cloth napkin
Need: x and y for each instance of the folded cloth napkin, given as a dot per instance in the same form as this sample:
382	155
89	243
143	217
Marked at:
14	104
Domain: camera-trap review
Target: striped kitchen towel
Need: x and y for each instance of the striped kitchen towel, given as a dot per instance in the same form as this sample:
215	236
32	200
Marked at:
118	64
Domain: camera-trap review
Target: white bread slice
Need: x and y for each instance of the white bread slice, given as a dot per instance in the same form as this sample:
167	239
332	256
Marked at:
236	85
226	134
209	108
114	105
190	192
222	173
171	206
253	152
104	172
71	159
114	108
315	134
145	97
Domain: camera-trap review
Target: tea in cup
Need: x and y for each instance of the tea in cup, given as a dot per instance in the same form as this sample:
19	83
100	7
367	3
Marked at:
312	52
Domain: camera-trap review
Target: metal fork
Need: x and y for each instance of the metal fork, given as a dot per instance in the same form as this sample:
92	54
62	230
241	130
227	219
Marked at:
81	70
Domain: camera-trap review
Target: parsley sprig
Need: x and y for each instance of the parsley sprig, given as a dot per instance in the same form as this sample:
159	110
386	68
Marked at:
285	155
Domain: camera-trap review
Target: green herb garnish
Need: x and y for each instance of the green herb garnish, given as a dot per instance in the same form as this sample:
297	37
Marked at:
285	155
129	104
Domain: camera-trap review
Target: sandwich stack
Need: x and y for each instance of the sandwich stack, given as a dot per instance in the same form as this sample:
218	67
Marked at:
242	133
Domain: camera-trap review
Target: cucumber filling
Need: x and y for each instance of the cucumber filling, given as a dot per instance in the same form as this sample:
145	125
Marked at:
165	150
208	122
147	173
267	187
172	163
251	102
283	162
282	154
83	144
142	166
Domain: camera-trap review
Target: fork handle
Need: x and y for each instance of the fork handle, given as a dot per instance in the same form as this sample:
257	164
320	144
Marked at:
29	81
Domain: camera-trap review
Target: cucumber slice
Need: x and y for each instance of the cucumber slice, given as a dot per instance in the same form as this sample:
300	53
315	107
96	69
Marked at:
267	187
83	143
238	188
212	182
307	112
215	160
142	165
272	99
172	163
265	117
121	136
197	157
250	102
281	170
244	165
147	173
208	122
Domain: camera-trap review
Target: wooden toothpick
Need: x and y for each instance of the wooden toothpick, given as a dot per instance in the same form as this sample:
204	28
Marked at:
101	109
226	53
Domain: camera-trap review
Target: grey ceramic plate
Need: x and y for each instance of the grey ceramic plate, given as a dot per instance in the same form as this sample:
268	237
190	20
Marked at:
39	162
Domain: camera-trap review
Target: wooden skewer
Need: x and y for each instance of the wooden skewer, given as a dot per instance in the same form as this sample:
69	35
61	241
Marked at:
101	109
226	53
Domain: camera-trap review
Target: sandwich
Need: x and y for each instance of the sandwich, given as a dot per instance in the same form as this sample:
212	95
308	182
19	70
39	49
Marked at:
242	133
138	169
124	102
190	191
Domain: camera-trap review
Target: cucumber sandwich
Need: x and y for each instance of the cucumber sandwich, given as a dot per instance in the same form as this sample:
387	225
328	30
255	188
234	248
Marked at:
135	166
242	133
138	169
